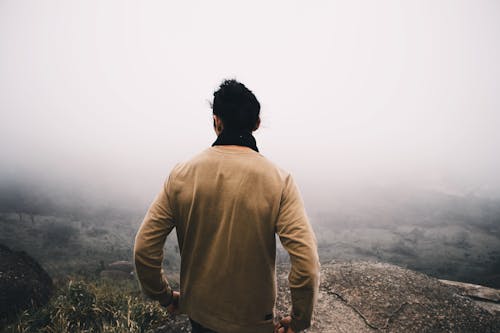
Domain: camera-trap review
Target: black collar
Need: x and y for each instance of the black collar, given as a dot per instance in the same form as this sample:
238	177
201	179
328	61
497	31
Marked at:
237	138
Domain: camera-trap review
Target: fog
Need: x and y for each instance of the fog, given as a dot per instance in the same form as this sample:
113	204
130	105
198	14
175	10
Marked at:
103	98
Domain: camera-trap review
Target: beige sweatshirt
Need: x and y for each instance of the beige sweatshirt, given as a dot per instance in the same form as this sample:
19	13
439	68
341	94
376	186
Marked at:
226	205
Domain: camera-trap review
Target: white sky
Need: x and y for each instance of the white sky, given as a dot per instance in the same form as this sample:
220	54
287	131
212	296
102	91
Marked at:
109	95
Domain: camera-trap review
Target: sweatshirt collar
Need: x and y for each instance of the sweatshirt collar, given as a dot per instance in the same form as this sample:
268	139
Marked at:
236	138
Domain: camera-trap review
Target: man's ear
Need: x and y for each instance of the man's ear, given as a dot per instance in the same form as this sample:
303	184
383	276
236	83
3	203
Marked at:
257	124
218	126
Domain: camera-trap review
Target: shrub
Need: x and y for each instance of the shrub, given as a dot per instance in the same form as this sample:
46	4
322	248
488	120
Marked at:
59	234
82	306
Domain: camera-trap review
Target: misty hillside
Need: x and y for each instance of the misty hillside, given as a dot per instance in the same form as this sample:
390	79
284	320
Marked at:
69	233
446	236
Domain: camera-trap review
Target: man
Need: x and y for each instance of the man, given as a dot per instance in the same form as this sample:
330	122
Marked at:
227	204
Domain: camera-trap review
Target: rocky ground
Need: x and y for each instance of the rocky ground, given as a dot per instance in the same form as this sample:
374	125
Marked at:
355	296
372	296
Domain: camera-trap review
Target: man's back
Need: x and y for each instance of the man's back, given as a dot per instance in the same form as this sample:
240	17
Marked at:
227	204
228	200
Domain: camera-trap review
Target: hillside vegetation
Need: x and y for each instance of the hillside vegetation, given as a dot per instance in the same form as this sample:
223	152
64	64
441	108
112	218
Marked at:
447	237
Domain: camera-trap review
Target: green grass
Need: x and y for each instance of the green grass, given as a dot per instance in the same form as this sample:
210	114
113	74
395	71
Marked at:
93	306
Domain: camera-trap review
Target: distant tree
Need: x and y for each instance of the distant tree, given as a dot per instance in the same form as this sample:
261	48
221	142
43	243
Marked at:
101	265
462	239
59	234
401	248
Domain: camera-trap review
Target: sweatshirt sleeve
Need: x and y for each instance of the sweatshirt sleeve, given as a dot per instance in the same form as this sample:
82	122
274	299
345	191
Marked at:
148	248
298	239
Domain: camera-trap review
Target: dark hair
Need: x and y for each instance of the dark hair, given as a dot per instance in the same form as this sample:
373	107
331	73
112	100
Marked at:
236	105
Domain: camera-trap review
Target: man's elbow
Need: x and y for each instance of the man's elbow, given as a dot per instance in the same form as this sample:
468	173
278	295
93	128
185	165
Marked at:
138	252
305	277
143	257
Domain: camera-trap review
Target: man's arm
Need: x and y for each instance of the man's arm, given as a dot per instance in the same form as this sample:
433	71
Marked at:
148	248
298	239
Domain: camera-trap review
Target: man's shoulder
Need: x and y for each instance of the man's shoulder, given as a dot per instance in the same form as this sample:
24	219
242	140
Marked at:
278	170
197	160
183	166
211	156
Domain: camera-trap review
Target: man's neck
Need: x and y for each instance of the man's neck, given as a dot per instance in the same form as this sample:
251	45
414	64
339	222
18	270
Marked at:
236	147
237	139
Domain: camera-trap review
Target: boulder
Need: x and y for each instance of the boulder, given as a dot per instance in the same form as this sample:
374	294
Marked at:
364	296
476	291
23	283
123	266
485	297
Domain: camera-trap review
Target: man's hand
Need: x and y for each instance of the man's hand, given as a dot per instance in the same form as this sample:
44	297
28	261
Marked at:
173	307
284	326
